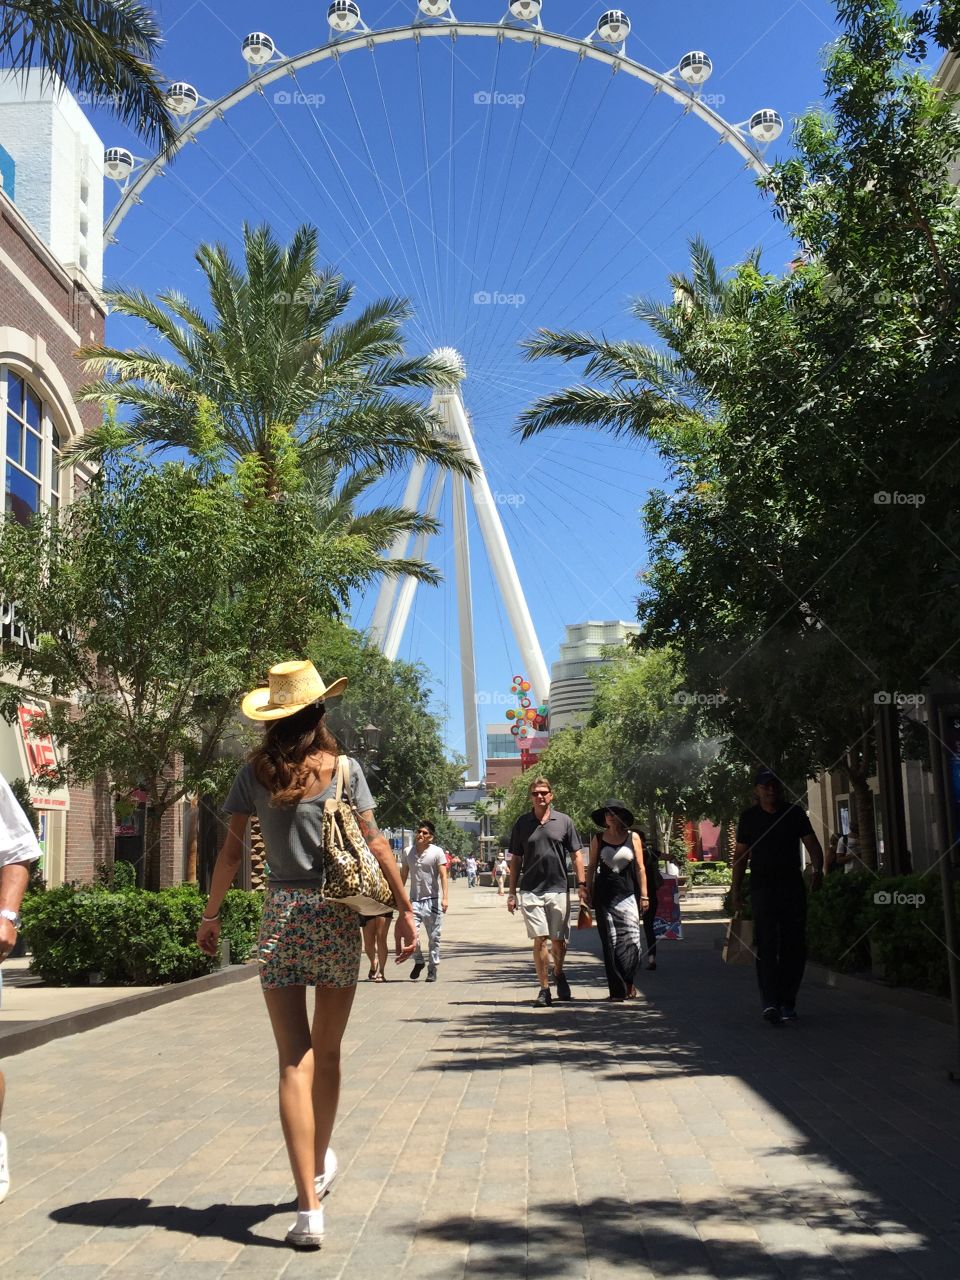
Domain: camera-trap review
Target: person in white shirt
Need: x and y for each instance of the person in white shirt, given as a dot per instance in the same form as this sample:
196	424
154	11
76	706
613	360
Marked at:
425	864
18	848
471	865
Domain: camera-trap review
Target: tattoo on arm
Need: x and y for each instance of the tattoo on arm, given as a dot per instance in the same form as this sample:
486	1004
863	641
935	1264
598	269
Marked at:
368	826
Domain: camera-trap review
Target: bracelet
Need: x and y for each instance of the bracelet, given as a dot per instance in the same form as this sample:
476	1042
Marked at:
581	884
211	919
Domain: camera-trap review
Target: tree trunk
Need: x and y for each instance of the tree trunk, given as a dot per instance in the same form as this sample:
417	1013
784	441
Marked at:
151	846
862	823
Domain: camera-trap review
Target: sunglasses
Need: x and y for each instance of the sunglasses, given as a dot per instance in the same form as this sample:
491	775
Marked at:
541	795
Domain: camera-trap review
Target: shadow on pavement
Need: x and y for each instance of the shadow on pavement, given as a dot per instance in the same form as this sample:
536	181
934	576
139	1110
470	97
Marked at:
218	1221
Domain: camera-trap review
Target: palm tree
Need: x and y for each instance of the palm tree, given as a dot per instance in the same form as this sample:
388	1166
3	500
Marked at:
98	47
645	391
335	515
275	366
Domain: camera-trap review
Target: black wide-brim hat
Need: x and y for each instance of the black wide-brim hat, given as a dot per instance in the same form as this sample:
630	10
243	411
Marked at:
616	807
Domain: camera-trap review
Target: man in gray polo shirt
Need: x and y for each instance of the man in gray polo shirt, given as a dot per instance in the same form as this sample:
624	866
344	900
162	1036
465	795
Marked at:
540	843
425	864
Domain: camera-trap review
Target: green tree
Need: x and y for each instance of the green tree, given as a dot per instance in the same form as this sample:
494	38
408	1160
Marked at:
159	596
277	363
804	558
98	47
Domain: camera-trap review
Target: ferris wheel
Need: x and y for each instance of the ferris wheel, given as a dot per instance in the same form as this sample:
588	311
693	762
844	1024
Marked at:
459	164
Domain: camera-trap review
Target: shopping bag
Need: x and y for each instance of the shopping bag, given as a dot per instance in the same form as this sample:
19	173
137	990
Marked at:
584	919
738	946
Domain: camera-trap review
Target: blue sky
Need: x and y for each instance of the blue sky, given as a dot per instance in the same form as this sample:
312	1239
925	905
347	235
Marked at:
567	195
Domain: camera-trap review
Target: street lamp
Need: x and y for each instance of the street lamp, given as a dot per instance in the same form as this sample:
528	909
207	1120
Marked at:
371	738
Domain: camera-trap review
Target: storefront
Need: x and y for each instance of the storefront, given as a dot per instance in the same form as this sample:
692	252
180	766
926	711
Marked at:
30	756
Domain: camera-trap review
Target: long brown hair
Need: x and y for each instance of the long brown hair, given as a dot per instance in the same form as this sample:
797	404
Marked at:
280	762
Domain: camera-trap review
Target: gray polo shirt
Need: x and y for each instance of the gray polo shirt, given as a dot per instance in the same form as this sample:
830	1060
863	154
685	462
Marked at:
292	834
425	871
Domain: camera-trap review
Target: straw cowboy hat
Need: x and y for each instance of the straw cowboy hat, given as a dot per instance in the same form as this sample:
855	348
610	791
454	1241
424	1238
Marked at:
293	686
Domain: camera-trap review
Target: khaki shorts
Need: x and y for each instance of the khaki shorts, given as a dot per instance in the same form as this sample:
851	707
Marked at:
546	915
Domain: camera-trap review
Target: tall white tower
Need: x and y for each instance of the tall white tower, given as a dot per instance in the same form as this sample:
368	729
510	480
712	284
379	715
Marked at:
58	159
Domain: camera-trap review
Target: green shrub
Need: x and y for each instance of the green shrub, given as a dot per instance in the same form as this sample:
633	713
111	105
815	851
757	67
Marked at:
129	935
708	872
744	894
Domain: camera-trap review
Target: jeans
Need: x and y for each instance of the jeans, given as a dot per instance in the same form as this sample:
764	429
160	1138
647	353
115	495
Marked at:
428	914
471	879
780	939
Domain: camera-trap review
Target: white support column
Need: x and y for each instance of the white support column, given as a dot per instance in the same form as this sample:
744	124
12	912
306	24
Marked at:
468	668
379	624
499	552
398	623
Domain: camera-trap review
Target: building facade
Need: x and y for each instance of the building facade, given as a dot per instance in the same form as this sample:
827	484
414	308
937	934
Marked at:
571	689
51	214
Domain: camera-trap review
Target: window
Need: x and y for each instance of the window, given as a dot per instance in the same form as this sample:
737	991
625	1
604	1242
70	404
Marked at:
33	453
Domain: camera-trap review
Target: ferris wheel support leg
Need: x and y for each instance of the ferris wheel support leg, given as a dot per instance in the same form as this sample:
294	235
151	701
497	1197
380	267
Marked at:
379	624
468	666
498	550
398	623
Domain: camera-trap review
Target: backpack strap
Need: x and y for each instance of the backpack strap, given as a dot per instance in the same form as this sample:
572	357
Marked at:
343	779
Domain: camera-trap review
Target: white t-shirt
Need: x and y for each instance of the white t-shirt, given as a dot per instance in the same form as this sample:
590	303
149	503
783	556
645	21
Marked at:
425	871
471	865
18	843
672	869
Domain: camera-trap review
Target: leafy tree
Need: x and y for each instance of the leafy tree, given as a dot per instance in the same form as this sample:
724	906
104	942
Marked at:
805	560
278	362
159	596
99	47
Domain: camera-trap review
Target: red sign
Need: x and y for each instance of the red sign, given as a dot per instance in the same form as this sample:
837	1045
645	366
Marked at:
40	759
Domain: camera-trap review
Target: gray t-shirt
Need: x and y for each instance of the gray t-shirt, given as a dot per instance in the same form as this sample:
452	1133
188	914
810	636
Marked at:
425	871
292	833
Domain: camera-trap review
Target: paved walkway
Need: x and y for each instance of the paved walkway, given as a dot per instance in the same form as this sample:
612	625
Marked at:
677	1136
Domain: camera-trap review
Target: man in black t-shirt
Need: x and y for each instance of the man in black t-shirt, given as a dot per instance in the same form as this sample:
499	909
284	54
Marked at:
769	835
540	843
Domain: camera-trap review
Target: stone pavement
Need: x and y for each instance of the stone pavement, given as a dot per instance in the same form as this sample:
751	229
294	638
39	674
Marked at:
675	1136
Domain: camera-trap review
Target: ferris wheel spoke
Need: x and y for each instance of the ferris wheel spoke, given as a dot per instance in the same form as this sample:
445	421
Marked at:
434	234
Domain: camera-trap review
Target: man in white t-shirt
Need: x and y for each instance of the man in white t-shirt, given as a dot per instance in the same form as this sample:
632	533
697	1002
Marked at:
18	848
425	865
471	865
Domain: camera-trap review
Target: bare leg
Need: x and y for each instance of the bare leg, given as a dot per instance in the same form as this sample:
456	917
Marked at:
540	960
330	1016
287	1008
382	926
559	947
3	1093
370	943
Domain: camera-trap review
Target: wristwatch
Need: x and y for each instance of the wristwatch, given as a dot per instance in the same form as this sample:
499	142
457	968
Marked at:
12	916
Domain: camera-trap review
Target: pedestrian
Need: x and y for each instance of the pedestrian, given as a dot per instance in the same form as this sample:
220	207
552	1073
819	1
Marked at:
540	843
376	944
426	867
500	872
18	848
769	835
654	881
305	940
617	892
471	865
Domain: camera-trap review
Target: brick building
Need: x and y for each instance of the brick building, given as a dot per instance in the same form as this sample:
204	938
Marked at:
51	214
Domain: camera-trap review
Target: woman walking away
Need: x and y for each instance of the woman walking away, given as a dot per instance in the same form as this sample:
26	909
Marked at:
654	881
500	872
617	891
305	940
376	944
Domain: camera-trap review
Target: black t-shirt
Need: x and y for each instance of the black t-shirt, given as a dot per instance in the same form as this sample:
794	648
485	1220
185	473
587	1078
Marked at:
543	848
774	840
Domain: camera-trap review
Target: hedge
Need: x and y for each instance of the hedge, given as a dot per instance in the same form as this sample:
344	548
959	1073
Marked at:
129	935
897	919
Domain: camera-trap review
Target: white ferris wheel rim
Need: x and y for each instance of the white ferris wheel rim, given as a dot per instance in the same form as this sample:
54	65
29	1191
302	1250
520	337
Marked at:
659	81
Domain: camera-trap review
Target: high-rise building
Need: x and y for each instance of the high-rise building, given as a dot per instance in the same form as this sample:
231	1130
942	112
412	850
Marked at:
571	689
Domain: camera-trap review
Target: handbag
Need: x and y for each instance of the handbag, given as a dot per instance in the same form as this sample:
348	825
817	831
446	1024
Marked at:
738	945
351	873
584	919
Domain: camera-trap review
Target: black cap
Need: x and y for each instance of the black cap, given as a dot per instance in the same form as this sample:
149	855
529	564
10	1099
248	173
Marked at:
766	777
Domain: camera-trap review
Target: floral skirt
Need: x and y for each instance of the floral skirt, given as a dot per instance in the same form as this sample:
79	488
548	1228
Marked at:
307	941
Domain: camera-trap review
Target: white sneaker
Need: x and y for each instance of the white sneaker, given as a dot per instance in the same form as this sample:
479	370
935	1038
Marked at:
4	1169
307	1231
324	1181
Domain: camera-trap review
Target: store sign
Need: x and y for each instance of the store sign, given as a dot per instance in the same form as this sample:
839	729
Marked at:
40	758
12	630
